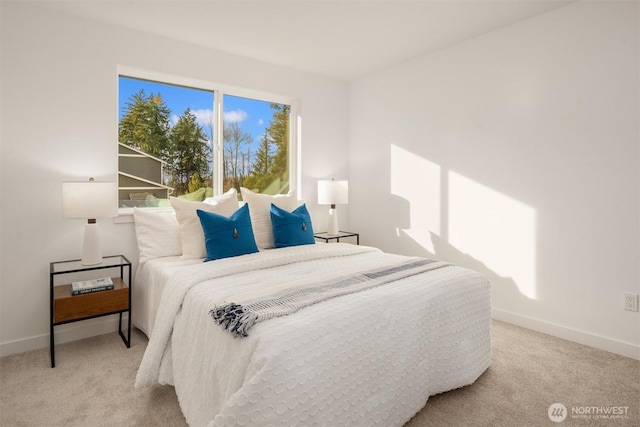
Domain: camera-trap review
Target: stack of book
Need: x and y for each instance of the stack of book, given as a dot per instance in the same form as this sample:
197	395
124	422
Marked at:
88	286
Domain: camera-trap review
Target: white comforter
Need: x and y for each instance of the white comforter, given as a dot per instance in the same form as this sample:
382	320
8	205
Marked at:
364	359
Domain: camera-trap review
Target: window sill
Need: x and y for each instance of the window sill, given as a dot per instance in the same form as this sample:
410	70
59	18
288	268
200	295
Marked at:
125	215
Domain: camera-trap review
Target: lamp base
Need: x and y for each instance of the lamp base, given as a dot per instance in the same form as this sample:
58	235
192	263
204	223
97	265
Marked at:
91	254
332	226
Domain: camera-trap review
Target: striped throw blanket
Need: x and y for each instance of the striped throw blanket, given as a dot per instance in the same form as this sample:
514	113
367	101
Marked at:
238	317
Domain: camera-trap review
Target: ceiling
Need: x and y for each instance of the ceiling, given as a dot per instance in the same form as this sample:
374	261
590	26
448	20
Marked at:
338	39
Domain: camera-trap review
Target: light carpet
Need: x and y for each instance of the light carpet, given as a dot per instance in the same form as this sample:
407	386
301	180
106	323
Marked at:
92	385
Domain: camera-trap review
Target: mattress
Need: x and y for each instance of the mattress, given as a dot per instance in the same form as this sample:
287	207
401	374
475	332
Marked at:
370	358
151	277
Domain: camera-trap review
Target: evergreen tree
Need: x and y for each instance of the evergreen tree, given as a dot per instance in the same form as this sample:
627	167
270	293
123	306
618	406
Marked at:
189	152
278	132
260	176
270	172
145	125
195	183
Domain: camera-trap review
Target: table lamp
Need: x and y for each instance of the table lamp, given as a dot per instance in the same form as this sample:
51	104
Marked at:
90	200
332	192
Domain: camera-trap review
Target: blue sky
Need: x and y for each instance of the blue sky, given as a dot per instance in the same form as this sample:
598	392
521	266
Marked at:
254	116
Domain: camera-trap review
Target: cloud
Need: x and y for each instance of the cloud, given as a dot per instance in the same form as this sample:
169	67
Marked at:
235	116
204	117
260	122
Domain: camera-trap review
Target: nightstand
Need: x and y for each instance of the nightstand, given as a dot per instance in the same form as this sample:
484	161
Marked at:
65	308
341	234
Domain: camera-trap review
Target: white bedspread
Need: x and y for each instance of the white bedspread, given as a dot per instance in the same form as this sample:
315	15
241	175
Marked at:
363	359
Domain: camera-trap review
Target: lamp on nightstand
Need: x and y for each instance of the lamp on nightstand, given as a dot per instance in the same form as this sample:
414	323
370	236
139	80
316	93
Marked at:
90	200
332	192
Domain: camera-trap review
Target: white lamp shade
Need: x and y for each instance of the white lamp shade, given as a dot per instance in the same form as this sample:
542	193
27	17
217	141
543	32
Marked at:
331	192
89	199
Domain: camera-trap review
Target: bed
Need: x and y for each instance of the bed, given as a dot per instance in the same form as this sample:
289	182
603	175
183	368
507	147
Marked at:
368	357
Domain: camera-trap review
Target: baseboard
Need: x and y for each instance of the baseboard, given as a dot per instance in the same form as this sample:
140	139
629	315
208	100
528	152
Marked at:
66	333
581	337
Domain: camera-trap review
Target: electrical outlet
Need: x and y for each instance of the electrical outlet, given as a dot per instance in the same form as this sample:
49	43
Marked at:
631	302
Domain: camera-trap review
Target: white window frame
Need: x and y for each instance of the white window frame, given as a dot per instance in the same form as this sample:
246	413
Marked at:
219	90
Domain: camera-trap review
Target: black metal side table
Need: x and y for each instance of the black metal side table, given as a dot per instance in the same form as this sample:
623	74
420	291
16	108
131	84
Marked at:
341	234
67	308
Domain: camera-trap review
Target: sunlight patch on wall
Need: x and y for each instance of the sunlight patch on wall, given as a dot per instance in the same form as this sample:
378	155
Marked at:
417	180
495	229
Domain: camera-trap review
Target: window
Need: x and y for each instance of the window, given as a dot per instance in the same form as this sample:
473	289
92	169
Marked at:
172	141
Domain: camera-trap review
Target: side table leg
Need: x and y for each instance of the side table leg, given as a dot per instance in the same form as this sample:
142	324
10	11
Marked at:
52	346
127	340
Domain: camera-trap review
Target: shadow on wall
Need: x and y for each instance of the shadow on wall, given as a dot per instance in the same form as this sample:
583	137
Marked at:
400	233
441	249
397	239
508	287
441	213
446	252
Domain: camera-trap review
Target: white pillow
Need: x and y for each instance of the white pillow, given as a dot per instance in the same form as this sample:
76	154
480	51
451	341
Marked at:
259	209
191	234
158	234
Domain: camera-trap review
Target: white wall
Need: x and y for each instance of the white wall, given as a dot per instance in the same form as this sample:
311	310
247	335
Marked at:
59	122
517	154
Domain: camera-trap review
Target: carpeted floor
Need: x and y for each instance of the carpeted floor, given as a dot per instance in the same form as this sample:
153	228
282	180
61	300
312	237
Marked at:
92	385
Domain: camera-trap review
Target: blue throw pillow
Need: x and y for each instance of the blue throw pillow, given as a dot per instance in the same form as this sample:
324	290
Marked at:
291	228
226	237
